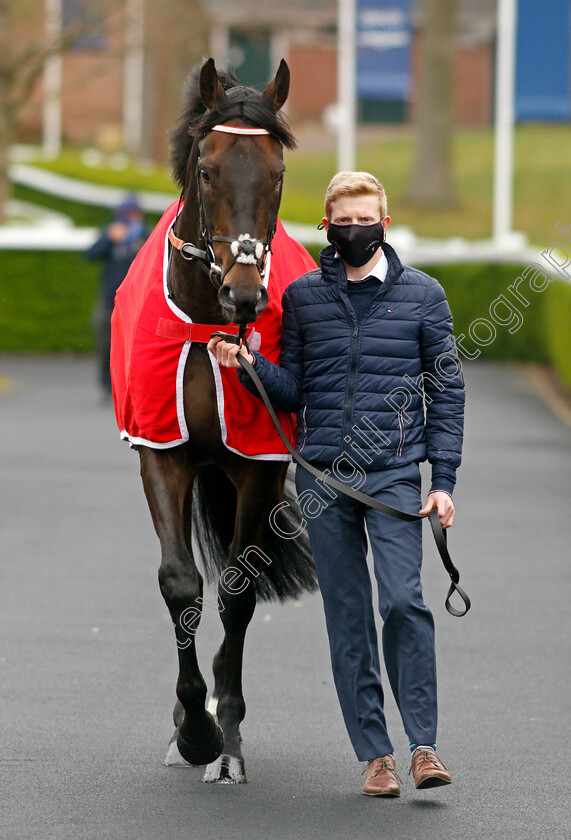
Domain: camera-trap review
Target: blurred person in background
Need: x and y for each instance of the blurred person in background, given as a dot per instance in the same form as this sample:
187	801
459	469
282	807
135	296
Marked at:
116	247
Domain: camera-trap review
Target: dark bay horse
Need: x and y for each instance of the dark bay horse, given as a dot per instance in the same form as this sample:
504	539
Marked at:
231	189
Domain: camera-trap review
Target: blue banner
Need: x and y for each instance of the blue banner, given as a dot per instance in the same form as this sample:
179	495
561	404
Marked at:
383	49
543	60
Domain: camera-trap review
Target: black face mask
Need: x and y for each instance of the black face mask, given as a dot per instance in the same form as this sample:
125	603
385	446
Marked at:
356	244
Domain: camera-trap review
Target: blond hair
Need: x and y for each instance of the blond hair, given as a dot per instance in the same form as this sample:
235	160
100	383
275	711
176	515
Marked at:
352	184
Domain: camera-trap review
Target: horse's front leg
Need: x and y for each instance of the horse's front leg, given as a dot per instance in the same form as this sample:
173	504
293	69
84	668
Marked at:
167	480
258	492
236	610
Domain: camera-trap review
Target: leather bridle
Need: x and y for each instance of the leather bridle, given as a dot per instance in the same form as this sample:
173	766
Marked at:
245	248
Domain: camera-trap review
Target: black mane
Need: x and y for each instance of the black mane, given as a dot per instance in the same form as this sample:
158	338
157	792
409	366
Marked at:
244	102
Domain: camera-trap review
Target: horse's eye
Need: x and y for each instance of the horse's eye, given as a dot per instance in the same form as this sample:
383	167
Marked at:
205	176
279	182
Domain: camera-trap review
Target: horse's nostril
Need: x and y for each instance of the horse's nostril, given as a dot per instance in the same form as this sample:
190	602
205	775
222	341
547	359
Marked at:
242	304
226	296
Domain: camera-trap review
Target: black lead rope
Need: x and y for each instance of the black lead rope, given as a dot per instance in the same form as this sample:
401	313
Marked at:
437	530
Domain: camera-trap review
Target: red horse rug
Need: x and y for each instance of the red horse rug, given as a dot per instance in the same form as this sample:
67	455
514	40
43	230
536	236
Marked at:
151	339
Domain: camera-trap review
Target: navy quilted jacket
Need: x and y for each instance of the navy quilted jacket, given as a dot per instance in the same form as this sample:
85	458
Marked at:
387	390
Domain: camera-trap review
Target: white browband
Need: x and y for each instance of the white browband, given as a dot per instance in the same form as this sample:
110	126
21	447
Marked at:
235	129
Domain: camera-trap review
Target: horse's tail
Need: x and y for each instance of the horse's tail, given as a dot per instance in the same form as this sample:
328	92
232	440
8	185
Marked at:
287	570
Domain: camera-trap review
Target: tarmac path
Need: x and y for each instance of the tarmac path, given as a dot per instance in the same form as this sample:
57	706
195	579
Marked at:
88	661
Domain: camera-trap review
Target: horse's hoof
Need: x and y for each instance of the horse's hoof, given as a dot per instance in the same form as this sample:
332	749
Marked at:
226	770
204	752
173	758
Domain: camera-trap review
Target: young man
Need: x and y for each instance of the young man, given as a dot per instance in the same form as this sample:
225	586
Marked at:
369	363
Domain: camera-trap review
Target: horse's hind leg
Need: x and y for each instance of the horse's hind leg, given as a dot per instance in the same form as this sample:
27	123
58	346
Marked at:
167	480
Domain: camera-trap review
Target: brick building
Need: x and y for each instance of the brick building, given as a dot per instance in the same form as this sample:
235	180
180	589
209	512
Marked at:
121	82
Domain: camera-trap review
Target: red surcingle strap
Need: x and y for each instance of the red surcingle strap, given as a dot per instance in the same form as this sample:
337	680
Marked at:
181	331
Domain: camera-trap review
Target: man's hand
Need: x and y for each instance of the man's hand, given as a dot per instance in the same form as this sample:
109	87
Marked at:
226	352
444	504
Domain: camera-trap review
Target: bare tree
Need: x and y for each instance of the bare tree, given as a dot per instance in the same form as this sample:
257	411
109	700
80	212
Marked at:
6	98
432	181
24	49
175	37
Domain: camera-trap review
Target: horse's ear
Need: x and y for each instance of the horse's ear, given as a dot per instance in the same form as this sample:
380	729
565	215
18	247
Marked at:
211	91
277	90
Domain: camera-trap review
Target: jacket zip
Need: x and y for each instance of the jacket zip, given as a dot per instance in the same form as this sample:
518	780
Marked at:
353	364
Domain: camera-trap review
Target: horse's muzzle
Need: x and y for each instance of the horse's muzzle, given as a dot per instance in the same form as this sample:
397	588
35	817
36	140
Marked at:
242	305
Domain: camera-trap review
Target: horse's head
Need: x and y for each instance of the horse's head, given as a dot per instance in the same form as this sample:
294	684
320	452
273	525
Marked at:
236	172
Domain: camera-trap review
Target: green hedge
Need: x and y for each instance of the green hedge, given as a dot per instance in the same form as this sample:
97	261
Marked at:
471	290
557	327
47	299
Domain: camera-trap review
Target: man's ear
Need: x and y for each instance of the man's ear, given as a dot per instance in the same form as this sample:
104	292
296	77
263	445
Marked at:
386	223
325	223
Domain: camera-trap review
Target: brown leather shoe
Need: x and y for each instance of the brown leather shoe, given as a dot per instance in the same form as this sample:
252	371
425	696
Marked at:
427	769
382	779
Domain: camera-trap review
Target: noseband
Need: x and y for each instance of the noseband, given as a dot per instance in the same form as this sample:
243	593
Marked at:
245	249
